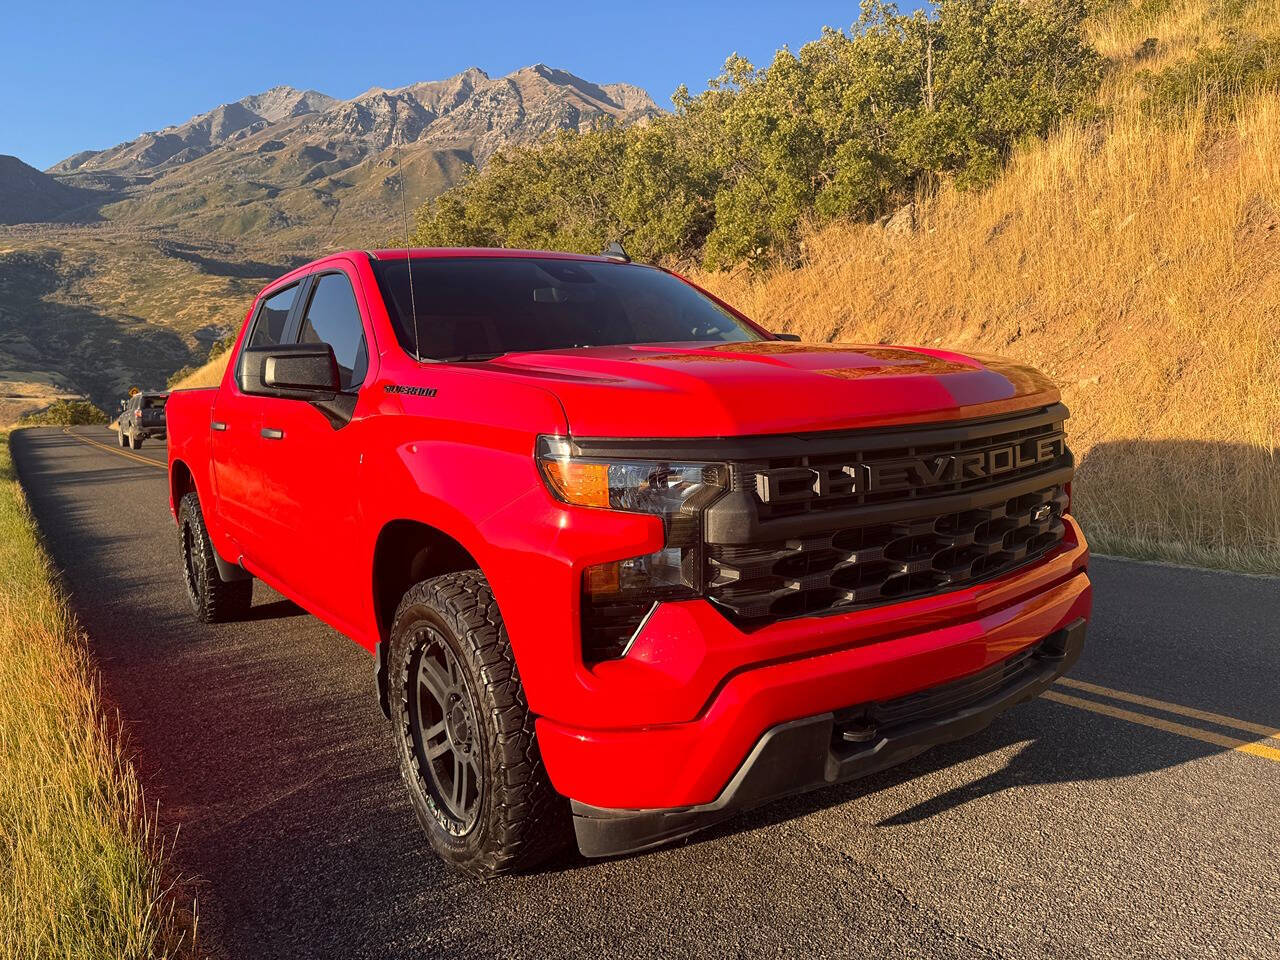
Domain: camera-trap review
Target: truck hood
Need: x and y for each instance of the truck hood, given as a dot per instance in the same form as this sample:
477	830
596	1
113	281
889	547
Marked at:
738	389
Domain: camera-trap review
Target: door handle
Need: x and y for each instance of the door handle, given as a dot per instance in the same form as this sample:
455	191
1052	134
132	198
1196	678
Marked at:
271	433
218	425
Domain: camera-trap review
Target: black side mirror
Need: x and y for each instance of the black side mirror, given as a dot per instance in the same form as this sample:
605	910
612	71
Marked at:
291	371
793	337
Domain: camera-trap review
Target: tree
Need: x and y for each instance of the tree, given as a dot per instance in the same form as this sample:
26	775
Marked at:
849	127
66	413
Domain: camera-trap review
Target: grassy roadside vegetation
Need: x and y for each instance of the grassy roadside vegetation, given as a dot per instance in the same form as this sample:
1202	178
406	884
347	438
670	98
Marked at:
208	374
82	865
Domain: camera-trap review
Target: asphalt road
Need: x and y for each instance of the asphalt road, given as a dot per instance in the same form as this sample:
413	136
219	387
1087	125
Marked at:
1084	824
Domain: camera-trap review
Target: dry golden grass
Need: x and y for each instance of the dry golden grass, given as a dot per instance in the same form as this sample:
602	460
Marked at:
209	375
1138	263
82	871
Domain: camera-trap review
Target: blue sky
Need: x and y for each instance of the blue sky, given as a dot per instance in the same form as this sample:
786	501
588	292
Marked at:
77	76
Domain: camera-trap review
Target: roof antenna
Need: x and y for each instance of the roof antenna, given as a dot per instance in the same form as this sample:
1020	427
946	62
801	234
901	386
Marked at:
614	251
408	257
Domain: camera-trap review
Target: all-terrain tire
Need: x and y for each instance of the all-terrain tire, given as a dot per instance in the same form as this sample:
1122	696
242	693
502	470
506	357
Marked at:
135	441
213	599
518	820
120	437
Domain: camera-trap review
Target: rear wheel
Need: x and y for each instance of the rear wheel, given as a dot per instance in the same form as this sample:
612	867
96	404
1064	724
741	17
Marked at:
213	599
135	441
466	740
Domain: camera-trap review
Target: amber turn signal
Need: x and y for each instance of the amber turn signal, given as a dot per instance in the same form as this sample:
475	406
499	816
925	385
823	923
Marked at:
575	481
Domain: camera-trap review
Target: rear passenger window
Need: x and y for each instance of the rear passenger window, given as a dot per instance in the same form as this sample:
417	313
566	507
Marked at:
333	318
268	328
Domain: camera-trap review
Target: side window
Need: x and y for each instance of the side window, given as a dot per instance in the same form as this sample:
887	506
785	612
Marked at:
333	318
268	326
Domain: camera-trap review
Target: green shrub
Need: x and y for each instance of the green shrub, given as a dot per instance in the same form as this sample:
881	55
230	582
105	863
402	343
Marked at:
66	413
1215	77
849	127
181	374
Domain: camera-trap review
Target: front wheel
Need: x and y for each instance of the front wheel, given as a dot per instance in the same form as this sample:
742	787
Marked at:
468	752
120	437
213	599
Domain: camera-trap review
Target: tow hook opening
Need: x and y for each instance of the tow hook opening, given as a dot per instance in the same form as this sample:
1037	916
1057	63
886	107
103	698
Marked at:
858	730
1056	644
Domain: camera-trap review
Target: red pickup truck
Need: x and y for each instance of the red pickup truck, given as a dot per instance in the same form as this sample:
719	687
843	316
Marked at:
627	563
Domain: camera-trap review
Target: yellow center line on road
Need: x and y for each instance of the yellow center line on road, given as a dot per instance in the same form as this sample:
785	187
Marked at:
110	449
1169	726
1176	708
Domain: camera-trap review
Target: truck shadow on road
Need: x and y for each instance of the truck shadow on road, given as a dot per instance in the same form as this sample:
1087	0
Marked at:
273	610
1046	743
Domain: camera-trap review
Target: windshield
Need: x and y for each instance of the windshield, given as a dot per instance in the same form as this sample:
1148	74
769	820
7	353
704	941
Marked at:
482	307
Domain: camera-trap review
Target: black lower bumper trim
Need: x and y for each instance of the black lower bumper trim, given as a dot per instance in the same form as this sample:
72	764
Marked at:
835	747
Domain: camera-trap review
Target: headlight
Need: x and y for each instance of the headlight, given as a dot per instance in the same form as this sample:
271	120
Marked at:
618	595
638	486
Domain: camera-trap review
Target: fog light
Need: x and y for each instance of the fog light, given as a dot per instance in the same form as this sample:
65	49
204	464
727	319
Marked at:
645	575
617	597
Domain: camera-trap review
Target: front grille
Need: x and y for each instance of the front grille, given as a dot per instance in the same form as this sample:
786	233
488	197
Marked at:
859	566
815	523
904	465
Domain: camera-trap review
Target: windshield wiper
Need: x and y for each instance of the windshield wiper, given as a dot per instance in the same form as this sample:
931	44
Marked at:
464	357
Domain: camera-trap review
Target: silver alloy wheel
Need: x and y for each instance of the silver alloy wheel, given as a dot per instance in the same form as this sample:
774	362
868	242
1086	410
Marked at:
446	736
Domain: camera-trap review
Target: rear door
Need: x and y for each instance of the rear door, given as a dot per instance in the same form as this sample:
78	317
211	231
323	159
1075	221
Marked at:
235	438
310	459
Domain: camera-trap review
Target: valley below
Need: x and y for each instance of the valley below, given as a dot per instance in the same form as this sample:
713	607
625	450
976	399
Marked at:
91	310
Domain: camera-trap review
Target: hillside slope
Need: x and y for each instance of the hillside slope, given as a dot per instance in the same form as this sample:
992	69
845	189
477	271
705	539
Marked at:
27	195
1137	260
95	310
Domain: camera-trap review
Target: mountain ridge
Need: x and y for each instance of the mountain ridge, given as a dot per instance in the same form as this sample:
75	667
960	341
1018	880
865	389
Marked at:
318	171
213	127
201	134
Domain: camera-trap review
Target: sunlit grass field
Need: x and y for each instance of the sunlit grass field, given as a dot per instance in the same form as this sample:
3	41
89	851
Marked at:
82	865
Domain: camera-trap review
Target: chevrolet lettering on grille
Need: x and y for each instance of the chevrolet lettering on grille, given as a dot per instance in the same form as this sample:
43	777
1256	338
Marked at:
786	484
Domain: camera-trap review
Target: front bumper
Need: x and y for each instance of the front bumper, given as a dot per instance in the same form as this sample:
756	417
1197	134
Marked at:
690	701
836	746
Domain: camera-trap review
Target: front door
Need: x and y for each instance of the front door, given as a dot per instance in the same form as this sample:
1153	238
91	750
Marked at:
234	434
310	460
